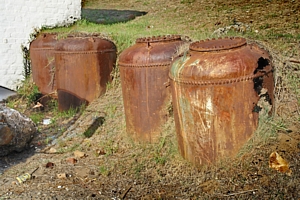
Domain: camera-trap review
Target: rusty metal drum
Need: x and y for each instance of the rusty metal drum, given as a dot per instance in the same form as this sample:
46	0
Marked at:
42	63
144	69
218	89
83	67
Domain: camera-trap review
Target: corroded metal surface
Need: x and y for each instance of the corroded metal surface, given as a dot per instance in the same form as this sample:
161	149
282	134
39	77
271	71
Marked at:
216	88
144	69
83	67
42	62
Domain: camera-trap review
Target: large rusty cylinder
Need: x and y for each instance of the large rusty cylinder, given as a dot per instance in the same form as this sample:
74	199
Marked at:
83	68
144	69
43	64
219	87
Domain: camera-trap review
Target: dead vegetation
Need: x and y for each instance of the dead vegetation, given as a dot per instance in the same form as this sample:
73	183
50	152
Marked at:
115	167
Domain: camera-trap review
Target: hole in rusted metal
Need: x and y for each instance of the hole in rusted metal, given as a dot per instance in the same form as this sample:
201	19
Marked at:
261	64
264	97
256	108
258	82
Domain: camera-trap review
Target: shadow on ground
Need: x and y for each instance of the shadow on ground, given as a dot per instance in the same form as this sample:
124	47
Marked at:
15	158
110	16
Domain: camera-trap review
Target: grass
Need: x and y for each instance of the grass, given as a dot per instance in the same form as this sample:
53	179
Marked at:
124	35
28	92
66	149
159	166
36	117
61	115
103	170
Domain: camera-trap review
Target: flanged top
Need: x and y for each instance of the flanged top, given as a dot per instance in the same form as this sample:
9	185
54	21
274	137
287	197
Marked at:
82	44
44	41
163	38
218	44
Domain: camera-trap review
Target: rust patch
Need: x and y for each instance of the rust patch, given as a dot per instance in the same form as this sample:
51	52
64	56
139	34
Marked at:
42	62
83	67
216	87
144	71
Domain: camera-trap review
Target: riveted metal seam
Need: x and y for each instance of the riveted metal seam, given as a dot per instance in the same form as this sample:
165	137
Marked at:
218	82
121	64
158	38
84	52
41	49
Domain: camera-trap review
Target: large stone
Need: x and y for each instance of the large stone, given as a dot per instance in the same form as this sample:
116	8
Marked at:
16	130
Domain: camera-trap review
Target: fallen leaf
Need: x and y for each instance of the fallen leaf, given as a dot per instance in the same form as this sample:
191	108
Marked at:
79	154
100	152
50	165
62	176
71	160
278	163
52	150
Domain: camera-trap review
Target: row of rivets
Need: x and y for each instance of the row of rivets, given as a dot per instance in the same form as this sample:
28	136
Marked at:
158	38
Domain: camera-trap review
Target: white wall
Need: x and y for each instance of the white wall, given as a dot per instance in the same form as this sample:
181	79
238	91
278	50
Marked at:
18	19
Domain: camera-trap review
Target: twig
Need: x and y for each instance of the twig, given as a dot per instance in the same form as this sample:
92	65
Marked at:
242	192
34	170
125	192
294	61
47	95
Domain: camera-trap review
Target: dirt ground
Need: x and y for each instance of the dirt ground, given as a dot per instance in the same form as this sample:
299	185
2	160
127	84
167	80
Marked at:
90	155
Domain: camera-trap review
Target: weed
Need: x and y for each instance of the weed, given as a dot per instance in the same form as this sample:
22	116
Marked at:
29	91
111	110
145	3
103	170
58	115
36	117
160	159
72	148
109	86
109	147
265	26
48	140
138	168
68	113
272	15
11	103
26	62
34	94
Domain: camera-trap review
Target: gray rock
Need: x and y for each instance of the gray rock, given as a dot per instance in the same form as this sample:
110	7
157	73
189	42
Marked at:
16	130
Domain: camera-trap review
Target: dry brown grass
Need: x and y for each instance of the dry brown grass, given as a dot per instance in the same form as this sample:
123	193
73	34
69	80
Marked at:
117	167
